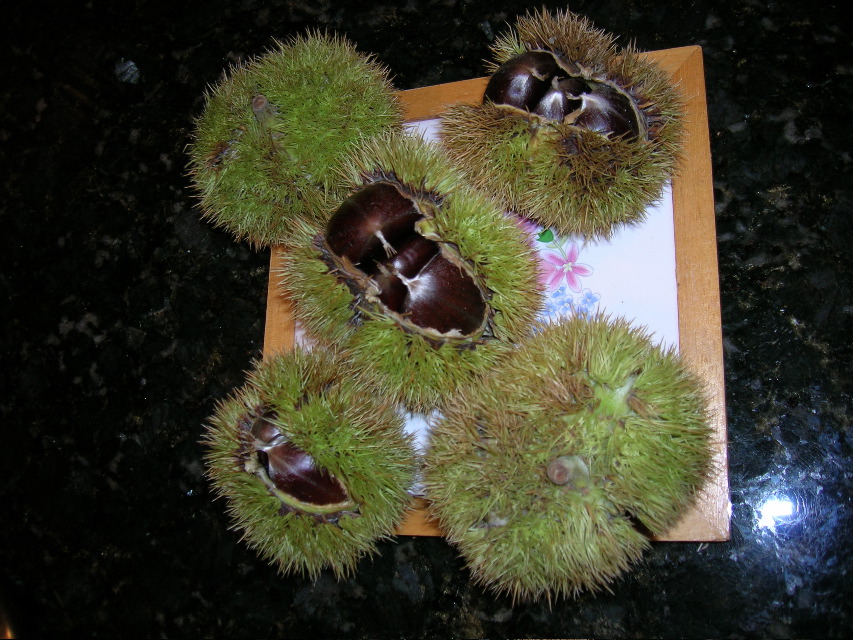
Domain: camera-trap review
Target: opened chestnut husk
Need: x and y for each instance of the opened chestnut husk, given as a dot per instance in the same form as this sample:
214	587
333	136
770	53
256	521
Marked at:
573	132
423	281
313	470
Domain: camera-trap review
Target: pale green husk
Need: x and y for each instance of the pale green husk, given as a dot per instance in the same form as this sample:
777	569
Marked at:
356	436
412	370
255	175
522	159
600	393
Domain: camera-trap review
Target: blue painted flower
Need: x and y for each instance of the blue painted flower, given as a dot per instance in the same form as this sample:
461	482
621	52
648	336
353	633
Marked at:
587	303
559	303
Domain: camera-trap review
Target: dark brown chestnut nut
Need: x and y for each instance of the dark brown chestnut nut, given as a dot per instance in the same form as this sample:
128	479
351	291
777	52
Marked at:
290	472
374	239
522	81
545	84
369	223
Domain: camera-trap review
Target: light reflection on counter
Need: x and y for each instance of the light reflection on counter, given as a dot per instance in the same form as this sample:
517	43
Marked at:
775	509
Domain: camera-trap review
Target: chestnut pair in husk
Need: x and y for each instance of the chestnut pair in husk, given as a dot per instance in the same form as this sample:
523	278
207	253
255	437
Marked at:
421	282
573	132
424	281
542	83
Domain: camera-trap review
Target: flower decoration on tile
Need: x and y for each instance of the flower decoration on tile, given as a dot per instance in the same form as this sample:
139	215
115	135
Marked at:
530	229
560	261
561	273
587	304
559	303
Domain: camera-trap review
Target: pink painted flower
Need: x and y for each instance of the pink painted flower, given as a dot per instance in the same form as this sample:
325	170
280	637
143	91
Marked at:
555	267
528	227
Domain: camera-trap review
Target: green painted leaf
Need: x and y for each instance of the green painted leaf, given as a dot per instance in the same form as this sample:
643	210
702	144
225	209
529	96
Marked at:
546	235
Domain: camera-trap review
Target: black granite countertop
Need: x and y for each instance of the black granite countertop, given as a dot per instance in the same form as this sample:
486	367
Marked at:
125	318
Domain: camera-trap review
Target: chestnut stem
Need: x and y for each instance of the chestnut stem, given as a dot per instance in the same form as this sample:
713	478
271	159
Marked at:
569	470
262	109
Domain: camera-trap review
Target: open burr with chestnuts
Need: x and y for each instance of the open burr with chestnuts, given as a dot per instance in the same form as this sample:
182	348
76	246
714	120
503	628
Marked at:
422	280
573	132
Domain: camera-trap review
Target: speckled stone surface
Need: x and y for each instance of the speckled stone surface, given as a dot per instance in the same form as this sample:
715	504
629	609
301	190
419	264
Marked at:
125	318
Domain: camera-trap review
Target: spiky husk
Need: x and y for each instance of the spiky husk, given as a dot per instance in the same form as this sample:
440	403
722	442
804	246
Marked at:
255	170
600	393
407	367
356	436
571	179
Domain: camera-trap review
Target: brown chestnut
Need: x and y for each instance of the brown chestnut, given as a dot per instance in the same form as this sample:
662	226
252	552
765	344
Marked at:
606	110
445	298
523	80
369	223
405	264
542	83
420	281
291	471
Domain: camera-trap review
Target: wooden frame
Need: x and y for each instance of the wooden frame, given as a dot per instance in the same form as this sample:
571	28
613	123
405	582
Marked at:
699	323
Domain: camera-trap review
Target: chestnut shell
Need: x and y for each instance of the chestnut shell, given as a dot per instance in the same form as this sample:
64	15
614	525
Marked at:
374	239
290	472
544	84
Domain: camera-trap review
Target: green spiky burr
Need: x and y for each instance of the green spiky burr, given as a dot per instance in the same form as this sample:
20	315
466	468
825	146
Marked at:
314	470
265	147
550	474
574	132
423	280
